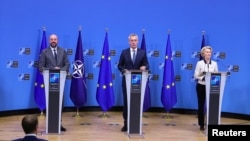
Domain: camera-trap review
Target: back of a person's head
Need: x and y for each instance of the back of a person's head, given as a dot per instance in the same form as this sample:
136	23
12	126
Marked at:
29	124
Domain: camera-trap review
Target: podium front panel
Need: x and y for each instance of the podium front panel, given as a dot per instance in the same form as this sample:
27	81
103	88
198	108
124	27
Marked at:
54	101
54	81
214	102
135	84
215	83
135	103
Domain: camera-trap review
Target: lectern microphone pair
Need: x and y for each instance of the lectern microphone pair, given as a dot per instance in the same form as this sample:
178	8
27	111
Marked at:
136	81
54	81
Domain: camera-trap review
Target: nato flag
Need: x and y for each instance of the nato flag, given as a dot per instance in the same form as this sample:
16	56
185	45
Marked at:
202	44
78	88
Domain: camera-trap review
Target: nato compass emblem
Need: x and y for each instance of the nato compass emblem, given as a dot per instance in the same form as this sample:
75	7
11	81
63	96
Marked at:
78	69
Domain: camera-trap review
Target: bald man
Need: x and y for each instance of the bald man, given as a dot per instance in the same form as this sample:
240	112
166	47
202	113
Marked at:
54	58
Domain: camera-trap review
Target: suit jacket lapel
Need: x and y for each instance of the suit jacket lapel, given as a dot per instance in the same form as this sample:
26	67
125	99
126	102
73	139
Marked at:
127	53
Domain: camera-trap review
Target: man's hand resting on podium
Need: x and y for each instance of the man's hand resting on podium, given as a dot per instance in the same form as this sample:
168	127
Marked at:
143	68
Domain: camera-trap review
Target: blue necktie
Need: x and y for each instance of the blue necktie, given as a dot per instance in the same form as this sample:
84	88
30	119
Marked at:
133	57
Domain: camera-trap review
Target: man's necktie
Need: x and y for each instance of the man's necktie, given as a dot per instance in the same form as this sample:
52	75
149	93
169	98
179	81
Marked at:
55	55
133	57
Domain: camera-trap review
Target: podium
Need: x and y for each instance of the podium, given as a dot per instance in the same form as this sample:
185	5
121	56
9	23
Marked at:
54	81
215	83
135	83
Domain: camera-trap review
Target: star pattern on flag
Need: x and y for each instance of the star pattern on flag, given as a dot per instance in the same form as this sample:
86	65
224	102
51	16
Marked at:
168	95
39	92
104	92
173	84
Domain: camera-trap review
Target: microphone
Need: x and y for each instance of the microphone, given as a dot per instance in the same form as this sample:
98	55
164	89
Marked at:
223	65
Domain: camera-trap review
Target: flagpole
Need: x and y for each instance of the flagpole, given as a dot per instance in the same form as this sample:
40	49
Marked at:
41	111
77	115
106	29
104	115
203	32
169	31
41	114
143	32
168	116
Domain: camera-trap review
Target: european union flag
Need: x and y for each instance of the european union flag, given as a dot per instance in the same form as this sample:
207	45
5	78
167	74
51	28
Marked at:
39	84
168	93
105	92
78	88
147	96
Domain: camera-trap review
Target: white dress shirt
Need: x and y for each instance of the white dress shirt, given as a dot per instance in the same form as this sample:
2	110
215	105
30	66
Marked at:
132	52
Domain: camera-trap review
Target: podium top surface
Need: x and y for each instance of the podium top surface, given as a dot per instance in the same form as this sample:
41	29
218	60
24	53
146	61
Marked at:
138	71
218	73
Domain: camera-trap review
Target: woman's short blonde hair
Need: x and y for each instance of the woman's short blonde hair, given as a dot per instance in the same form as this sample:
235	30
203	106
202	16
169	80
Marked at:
204	48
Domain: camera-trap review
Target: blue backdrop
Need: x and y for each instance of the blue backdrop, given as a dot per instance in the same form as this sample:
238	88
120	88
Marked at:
225	22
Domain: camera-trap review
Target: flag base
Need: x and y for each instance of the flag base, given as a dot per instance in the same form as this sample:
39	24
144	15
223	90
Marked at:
77	115
167	116
42	116
104	115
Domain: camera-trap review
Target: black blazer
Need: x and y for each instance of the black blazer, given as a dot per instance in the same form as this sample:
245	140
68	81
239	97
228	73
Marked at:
30	138
126	62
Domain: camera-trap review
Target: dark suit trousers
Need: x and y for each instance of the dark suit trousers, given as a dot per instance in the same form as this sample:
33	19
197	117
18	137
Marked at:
125	102
201	95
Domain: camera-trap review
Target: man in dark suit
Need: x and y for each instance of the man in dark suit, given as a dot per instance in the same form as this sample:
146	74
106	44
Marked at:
132	58
30	126
54	58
